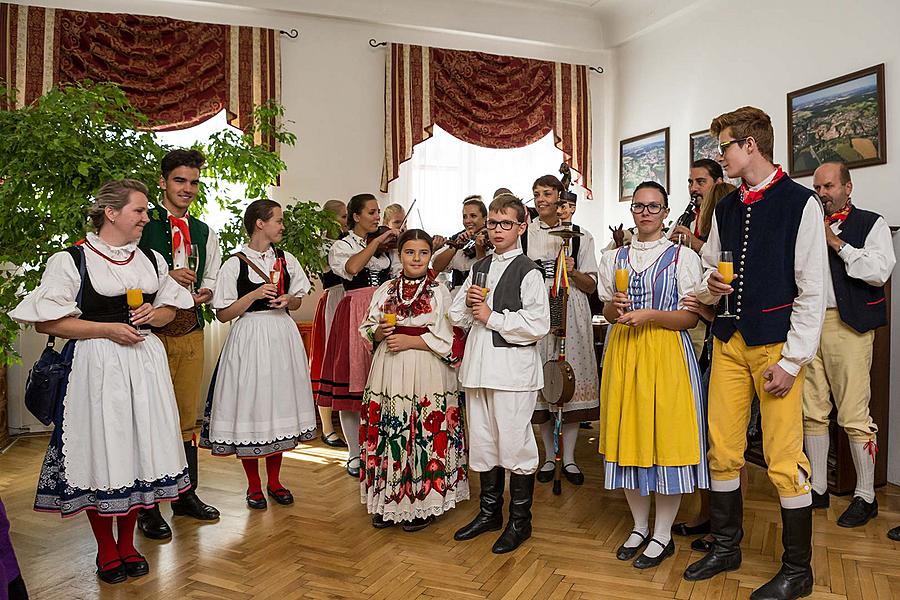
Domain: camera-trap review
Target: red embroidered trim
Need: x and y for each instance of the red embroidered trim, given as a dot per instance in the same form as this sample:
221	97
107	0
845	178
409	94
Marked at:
765	310
876	302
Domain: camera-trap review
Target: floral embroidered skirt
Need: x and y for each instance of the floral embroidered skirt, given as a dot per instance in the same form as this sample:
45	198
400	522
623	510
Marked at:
412	432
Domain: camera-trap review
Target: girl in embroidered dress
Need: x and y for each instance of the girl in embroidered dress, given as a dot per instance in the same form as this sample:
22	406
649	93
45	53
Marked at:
414	465
652	426
260	398
116	445
363	265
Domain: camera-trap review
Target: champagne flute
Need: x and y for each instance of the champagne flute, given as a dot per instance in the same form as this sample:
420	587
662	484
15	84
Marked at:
622	275
480	279
193	262
726	270
134	297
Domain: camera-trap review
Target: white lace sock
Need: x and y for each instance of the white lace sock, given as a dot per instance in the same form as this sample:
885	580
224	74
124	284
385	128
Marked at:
547	438
865	471
666	511
350	428
816	447
640	512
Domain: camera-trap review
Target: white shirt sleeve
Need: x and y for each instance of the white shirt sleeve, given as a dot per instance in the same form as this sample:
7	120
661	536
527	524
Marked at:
300	284
460	314
440	331
170	292
226	293
874	262
587	256
808	313
689	274
531	322
709	257
55	297
606	283
341	251
213	261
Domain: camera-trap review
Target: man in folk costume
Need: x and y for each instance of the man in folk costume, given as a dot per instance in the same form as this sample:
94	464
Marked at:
173	233
773	228
860	261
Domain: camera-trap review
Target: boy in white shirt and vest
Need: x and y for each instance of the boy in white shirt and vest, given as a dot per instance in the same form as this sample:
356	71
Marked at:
501	373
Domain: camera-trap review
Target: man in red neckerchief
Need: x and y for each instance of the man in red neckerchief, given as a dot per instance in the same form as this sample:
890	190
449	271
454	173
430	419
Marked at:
773	228
174	233
860	260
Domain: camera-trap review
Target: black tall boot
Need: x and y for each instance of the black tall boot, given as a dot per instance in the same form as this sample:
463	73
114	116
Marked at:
518	529
795	579
490	516
152	524
726	516
188	503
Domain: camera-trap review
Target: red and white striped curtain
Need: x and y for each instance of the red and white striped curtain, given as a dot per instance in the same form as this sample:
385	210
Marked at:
484	99
178	73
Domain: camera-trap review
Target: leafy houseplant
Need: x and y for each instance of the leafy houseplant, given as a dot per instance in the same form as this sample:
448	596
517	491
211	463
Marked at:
58	151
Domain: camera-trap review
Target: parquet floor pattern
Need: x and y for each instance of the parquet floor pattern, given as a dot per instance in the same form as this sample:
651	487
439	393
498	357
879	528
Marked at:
324	546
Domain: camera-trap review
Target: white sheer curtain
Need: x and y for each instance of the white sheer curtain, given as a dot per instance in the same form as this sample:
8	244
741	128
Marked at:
444	170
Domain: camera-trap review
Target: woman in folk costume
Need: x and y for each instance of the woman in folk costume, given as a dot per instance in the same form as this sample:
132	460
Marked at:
362	264
414	464
652	424
466	247
542	247
325	309
260	398
117	442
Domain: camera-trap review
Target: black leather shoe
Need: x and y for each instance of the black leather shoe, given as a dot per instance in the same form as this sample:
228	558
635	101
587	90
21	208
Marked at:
894	534
518	529
701	545
821	500
378	522
490	514
152	525
417	524
858	513
795	578
627	552
282	495
17	589
112	572
190	505
333	440
574	477
353	471
546	476
137	568
726	513
685	529
645	562
257	501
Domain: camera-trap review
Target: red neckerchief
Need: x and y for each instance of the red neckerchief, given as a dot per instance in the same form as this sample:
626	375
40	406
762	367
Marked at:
180	234
749	197
697	221
840	215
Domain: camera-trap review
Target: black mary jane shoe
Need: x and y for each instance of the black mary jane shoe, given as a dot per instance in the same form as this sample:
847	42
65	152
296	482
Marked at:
417	524
136	568
701	545
257	501
576	477
378	522
151	523
685	529
628	552
546	476
353	471
282	495
894	534
333	440
645	562
111	572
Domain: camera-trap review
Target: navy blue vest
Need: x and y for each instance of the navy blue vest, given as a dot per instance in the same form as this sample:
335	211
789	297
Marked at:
862	306
761	237
508	291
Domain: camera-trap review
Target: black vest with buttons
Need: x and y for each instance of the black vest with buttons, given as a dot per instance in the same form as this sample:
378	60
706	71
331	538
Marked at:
507	293
245	286
761	237
861	306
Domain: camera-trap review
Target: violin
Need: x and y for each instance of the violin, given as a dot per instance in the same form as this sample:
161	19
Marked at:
468	245
384	247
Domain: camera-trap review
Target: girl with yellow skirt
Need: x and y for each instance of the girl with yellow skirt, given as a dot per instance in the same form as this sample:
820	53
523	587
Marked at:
652	425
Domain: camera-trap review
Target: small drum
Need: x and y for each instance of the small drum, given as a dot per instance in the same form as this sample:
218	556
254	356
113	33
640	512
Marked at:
559	382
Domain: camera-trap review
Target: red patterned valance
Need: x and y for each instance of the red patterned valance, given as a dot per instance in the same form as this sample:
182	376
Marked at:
484	99
176	72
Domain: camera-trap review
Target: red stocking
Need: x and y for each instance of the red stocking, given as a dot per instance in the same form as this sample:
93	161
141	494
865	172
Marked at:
273	469
125	524
106	544
251	468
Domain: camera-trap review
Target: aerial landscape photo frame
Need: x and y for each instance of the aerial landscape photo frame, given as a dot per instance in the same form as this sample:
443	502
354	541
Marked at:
643	158
841	119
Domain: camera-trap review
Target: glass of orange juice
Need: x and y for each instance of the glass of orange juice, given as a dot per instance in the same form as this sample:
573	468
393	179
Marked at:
622	275
390	319
134	297
480	279
726	270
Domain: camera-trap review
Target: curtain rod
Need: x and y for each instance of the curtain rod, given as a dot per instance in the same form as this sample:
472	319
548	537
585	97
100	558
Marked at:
293	33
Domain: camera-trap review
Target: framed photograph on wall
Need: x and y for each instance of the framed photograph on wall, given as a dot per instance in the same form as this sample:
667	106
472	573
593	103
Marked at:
643	158
841	119
703	145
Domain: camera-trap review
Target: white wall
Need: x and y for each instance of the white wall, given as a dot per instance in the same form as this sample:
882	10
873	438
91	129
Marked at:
710	60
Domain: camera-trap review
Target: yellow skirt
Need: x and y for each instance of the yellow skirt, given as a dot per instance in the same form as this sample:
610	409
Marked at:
647	410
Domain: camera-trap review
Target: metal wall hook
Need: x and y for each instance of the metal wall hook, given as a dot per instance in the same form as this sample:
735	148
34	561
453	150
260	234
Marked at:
597	69
293	33
375	43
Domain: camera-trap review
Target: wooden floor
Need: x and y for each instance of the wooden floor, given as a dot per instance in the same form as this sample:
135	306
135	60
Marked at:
324	546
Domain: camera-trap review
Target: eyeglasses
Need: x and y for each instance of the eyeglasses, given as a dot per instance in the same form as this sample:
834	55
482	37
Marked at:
653	209
504	225
724	145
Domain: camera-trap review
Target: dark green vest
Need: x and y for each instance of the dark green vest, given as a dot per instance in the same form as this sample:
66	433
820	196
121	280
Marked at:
158	236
